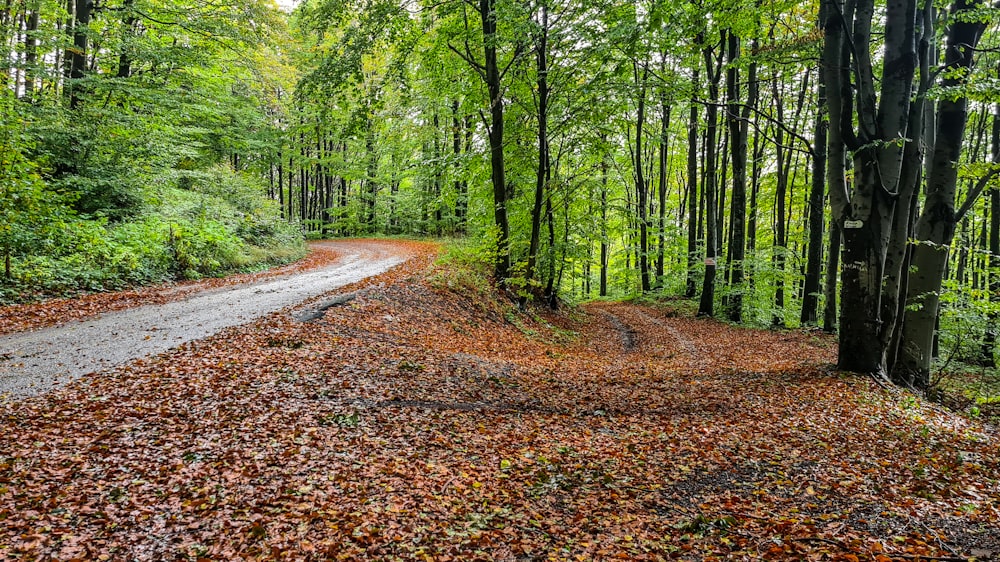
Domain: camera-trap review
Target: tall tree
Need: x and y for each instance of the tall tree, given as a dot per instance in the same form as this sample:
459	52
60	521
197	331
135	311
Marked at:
935	228
881	110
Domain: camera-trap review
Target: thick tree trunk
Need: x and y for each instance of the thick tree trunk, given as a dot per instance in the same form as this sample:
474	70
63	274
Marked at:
898	253
866	214
935	228
830	286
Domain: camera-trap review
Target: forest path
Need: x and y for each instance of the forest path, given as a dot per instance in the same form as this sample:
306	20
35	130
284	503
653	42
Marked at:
661	337
36	361
429	418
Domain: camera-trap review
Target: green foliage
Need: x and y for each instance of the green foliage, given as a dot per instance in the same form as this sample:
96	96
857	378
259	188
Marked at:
188	238
149	167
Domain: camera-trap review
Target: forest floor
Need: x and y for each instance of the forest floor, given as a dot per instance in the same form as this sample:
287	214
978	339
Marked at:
428	419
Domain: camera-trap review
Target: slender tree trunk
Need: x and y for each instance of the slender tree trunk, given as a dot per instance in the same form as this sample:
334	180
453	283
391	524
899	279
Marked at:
281	185
78	57
31	69
369	223
438	176
814	260
692	189
662	183
128	31
604	220
492	74
461	196
993	325
641	188
738	121
542	170
780	197
706	306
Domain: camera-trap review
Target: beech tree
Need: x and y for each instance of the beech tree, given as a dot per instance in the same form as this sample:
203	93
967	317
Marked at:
881	110
935	229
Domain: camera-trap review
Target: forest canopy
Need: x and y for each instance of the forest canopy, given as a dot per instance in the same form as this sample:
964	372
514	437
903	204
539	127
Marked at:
795	163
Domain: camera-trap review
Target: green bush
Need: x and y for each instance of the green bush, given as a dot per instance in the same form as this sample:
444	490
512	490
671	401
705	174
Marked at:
221	223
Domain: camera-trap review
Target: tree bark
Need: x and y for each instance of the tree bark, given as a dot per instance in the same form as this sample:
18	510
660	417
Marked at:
692	182
935	228
865	216
738	127
542	170
642	189
498	175
604	220
993	325
814	259
662	183
706	306
78	57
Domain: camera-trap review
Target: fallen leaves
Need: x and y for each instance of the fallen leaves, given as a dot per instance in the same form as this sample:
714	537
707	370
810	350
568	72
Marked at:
422	423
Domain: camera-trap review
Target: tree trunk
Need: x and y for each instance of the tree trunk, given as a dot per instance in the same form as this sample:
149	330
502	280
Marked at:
780	197
865	216
737	121
662	183
461	197
706	306
498	176
77	60
604	220
692	182
642	190
128	25
542	170
899	253
814	260
31	70
935	228
993	325
830	287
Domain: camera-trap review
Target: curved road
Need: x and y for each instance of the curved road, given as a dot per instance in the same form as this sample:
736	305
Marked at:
32	363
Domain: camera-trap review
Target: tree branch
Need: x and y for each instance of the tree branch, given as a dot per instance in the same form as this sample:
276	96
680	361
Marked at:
974	193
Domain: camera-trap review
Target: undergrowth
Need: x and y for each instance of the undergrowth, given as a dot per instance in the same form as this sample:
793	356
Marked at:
216	225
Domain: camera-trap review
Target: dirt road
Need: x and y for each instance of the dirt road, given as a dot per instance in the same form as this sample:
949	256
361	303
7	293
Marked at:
33	362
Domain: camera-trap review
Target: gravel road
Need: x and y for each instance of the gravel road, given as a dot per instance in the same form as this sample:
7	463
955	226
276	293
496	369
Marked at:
32	363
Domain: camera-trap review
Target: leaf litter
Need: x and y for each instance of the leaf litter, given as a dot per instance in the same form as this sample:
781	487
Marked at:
432	421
